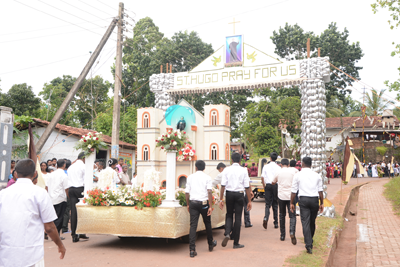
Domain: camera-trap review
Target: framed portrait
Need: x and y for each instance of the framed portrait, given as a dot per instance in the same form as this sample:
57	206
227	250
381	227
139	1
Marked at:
234	49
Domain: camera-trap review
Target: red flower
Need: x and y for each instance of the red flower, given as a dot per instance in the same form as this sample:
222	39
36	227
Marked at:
162	147
97	138
184	132
180	152
172	140
84	141
176	134
162	139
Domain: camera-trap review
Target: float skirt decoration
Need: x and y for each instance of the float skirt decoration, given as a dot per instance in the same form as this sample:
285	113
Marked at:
149	222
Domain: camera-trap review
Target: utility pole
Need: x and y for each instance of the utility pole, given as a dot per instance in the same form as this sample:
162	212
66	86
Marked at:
117	86
363	115
60	112
91	90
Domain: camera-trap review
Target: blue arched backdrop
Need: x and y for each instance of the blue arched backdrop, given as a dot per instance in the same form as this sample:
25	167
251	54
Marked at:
175	112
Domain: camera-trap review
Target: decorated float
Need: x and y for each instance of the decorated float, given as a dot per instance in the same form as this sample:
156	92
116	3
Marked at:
171	136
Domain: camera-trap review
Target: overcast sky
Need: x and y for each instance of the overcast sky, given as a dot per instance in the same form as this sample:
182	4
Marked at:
30	40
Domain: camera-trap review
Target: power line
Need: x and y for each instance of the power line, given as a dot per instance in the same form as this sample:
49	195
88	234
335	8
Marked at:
59	18
108	5
85	55
80	9
12	33
109	54
44	36
70	13
236	14
113	54
97	8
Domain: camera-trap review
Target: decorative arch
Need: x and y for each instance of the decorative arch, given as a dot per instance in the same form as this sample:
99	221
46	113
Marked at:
227	151
227	119
214	117
181	181
146	152
146	120
214	151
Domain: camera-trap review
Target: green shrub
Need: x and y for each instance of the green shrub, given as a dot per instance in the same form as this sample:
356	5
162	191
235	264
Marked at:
381	150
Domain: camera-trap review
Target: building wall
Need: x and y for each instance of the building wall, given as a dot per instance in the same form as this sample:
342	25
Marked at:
202	135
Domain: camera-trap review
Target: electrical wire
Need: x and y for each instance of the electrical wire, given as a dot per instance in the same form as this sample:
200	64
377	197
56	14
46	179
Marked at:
238	14
12	33
70	13
80	9
60	18
109	55
107	5
96	8
44	36
54	62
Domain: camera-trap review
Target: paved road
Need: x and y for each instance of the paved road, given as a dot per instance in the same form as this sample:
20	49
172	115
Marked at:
378	237
262	247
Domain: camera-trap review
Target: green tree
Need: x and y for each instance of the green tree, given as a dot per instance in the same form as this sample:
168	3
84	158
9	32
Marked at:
290	43
140	62
53	94
261	125
392	6
22	100
89	100
342	54
127	129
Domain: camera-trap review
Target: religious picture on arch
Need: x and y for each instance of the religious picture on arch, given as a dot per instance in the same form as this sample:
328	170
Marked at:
234	49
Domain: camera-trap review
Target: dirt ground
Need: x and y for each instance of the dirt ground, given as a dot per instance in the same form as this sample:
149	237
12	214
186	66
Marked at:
262	247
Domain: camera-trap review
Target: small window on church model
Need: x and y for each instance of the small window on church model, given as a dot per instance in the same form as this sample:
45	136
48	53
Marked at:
146	153
146	121
214	118
214	152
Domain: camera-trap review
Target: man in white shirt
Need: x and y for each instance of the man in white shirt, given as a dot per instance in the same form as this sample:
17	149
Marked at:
26	212
57	186
271	191
285	177
198	194
76	180
235	179
217	180
309	185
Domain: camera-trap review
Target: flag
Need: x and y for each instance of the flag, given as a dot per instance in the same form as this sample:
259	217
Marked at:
348	162
391	166
32	155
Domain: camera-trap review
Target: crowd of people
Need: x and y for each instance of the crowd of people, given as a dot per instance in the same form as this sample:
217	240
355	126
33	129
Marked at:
284	186
64	182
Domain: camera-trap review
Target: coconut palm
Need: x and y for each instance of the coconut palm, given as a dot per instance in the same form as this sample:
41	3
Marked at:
334	108
375	104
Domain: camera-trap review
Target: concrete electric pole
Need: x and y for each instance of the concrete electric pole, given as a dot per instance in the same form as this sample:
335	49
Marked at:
60	112
117	87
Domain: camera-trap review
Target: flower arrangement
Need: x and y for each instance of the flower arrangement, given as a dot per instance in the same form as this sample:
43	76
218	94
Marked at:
180	195
148	199
172	141
91	141
123	196
186	153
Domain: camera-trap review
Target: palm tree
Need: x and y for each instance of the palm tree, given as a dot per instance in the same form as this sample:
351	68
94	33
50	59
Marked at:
375	104
334	108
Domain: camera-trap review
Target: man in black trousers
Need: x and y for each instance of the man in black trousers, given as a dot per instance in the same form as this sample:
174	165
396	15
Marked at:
271	191
235	180
309	185
198	194
76	180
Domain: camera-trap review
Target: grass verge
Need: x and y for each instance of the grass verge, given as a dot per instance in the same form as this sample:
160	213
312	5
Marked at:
326	228
392	193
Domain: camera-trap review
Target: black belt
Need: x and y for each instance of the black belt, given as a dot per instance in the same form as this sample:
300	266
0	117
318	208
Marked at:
205	202
241	192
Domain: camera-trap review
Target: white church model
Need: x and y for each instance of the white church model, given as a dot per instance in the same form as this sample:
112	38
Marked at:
209	135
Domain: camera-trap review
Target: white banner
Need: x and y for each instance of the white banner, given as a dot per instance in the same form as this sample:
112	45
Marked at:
237	75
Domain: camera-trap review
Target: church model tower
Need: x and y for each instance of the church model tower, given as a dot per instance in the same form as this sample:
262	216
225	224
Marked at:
209	135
